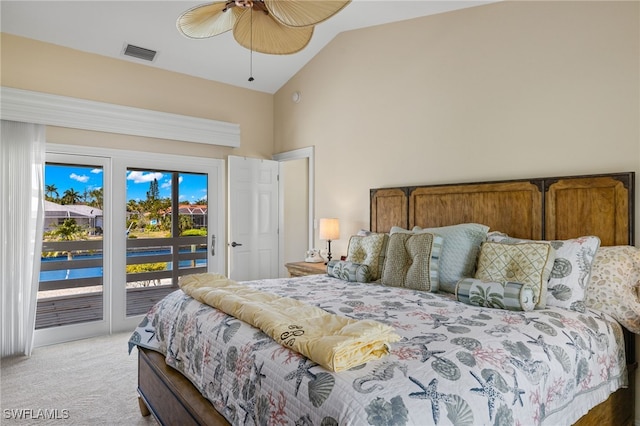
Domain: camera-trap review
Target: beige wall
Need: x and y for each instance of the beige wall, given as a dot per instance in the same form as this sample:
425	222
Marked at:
295	180
502	91
42	67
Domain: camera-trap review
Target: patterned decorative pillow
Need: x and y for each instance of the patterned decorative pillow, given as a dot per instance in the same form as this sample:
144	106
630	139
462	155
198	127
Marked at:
489	294
368	250
349	271
412	261
571	269
615	283
526	263
459	253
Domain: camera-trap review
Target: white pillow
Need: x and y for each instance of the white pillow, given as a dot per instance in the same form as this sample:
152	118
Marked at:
571	270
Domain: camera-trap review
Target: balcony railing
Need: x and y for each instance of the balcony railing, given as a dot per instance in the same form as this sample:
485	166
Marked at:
71	276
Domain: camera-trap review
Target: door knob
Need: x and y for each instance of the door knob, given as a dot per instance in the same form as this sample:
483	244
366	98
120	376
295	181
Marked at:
234	244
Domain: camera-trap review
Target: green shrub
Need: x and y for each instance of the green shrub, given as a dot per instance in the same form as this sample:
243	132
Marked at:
194	233
146	267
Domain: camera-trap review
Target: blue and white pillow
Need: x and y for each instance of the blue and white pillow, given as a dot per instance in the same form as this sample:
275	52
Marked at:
460	251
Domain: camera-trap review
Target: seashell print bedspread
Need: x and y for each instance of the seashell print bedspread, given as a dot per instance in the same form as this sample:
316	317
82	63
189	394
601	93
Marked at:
455	364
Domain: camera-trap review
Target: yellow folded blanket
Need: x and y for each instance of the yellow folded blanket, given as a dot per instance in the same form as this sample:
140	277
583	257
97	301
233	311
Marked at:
336	343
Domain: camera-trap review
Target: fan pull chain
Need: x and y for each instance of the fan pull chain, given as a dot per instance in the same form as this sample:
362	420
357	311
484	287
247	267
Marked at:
251	44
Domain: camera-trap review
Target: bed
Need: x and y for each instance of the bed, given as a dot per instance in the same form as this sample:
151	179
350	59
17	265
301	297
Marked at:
456	362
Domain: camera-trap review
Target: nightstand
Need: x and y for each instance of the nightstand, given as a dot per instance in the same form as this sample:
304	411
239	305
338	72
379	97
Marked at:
300	269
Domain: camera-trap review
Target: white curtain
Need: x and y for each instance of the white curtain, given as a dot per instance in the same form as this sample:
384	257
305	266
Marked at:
22	159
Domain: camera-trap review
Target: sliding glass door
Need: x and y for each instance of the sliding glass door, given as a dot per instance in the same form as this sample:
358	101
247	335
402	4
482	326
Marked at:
167	233
72	294
121	229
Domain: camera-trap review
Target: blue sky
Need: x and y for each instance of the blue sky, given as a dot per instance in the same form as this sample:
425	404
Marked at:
193	187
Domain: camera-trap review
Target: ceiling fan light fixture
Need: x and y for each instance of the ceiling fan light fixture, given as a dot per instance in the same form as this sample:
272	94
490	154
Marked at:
266	35
284	27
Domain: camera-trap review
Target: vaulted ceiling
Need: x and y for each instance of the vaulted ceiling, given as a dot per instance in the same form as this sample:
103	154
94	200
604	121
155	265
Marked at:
107	27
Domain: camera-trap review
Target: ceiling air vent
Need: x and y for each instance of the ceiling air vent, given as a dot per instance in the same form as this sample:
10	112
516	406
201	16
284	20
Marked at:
140	52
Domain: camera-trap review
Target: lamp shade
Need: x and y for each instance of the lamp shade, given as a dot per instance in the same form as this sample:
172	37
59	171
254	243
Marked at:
329	229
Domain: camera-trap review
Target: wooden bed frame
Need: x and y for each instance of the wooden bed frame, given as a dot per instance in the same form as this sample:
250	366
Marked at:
539	208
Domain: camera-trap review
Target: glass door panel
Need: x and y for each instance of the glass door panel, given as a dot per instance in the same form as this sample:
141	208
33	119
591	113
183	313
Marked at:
166	233
72	262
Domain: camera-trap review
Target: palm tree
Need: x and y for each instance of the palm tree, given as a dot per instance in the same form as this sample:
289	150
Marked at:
70	196
50	190
69	231
96	198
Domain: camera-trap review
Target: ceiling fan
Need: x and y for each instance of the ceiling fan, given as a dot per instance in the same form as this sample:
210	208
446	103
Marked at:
277	27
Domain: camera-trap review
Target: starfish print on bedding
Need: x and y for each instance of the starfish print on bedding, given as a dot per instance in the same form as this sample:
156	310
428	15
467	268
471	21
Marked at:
578	344
258	374
427	354
540	342
431	393
488	390
517	391
304	365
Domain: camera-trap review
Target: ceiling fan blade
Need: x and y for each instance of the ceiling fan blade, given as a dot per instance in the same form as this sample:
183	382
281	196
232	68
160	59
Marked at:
269	36
208	20
302	13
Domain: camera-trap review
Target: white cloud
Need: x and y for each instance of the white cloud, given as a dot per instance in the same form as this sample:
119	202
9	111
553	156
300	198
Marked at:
79	178
167	183
96	171
141	177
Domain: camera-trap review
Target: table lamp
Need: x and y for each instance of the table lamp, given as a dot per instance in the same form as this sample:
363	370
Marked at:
329	229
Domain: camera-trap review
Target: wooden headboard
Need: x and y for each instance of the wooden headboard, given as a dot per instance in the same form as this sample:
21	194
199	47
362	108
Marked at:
554	208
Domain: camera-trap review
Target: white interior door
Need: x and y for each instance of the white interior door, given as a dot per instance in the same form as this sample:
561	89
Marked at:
253	219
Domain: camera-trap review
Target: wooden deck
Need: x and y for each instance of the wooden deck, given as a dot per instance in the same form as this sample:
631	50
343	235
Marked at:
78	308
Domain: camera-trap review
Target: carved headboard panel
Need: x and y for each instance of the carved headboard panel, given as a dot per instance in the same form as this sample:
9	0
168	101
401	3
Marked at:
539	208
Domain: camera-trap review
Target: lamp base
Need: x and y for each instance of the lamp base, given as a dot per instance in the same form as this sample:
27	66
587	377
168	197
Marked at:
328	252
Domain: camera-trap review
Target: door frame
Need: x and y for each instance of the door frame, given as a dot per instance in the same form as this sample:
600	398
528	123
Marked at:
296	154
115	218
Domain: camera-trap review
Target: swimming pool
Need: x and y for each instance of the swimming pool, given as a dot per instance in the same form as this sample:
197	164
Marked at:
92	272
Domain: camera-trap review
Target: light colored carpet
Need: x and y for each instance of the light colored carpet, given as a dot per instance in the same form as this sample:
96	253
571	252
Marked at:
86	382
